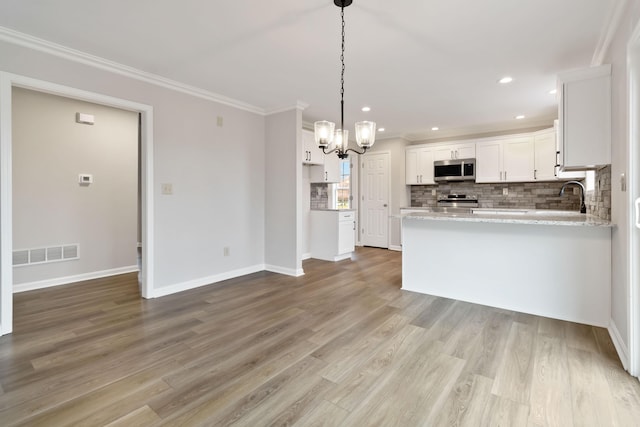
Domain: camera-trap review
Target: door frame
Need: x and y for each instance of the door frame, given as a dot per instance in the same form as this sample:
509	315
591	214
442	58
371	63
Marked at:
633	192
7	82
363	192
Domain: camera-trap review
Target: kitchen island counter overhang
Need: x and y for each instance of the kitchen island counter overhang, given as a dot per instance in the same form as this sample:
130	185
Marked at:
558	267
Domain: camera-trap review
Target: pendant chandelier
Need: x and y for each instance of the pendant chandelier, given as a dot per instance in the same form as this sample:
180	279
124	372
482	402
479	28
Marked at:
333	140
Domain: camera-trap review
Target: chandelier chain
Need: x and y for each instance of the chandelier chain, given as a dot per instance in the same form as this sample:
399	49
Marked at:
342	72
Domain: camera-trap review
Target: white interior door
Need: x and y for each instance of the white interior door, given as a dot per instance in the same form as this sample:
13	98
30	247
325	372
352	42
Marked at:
634	204
375	200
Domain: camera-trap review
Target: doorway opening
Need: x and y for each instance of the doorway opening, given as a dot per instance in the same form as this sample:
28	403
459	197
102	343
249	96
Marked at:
7	83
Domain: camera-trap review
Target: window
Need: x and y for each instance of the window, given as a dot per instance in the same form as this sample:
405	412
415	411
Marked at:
343	189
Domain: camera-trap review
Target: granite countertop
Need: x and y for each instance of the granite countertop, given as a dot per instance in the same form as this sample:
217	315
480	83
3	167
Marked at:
511	216
333	210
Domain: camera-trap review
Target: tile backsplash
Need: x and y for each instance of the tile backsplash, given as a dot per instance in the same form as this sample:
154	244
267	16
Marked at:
319	196
526	195
598	201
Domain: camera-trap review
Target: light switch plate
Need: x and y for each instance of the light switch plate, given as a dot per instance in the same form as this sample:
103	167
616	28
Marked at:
623	182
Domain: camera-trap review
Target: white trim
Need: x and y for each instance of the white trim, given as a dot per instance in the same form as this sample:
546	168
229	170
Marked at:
59	281
284	270
7	80
204	281
306	256
608	31
35	43
299	106
618	343
395	248
6	228
633	192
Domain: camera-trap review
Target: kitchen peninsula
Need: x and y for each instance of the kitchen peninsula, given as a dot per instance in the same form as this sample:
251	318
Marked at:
549	263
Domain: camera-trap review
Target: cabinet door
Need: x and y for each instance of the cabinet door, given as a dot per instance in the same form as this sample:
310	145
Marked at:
444	152
518	155
489	161
332	168
311	154
346	237
586	127
544	157
425	166
465	151
411	167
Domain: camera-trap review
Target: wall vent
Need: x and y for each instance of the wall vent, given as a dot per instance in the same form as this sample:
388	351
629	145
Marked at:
24	257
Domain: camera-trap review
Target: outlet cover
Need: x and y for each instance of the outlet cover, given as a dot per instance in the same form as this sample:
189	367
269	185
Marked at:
166	189
505	191
225	251
433	192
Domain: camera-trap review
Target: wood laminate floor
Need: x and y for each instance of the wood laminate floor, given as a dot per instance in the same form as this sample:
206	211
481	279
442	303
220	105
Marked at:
340	346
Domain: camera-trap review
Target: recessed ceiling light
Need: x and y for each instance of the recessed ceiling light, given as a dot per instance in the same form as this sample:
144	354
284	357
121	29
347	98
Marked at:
505	80
553	91
380	129
520	117
435	128
366	109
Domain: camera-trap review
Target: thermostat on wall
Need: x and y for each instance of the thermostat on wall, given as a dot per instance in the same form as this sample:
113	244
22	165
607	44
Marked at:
85	119
85	179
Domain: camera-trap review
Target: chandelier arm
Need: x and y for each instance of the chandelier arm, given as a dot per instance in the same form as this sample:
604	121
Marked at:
364	150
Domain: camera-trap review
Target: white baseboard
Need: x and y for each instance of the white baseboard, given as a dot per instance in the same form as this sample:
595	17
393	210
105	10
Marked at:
204	281
395	248
31	286
306	256
618	343
283	270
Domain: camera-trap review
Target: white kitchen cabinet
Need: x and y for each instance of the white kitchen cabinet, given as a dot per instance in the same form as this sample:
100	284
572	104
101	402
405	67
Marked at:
328	171
466	150
489	161
518	159
505	160
419	166
584	115
332	234
544	156
311	154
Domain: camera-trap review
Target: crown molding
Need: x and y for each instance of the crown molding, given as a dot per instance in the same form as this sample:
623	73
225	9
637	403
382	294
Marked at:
299	106
608	31
21	39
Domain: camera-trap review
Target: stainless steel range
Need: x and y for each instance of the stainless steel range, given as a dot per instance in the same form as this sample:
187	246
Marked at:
457	201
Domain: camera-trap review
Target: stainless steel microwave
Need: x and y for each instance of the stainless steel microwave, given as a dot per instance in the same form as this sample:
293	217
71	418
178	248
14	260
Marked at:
454	170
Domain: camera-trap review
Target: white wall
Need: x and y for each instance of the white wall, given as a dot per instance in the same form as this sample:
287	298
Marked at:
400	192
283	193
620	209
218	173
50	208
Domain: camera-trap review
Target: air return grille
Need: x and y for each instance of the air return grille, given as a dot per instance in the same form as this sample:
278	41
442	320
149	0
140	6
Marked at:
25	257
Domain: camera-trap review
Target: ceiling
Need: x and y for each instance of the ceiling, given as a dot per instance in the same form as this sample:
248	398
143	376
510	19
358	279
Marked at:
416	63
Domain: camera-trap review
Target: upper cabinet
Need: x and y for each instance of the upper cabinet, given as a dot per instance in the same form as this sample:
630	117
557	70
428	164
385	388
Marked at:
505	160
311	154
419	166
544	156
584	113
464	150
328	171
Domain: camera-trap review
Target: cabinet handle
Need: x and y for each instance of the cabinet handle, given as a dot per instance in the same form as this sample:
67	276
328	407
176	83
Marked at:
326	176
354	226
418	178
500	175
505	175
452	154
535	174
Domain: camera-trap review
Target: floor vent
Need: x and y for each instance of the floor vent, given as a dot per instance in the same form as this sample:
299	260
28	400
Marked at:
25	257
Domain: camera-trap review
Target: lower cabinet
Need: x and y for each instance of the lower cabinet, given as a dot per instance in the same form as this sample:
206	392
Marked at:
332	234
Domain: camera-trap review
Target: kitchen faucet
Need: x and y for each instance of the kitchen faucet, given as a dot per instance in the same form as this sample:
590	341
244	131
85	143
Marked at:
583	208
